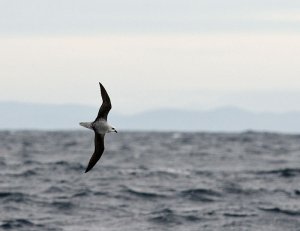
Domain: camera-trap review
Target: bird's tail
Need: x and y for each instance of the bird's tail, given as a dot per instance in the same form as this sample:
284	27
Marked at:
86	124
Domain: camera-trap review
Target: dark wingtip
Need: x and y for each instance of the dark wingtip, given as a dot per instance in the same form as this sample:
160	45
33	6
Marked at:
88	168
101	87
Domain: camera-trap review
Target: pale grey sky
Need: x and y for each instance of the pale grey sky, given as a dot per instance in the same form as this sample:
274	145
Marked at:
151	54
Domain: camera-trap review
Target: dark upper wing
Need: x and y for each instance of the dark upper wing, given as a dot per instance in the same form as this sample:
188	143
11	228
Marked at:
99	148
106	105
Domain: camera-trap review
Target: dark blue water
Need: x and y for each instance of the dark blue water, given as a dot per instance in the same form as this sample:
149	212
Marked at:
150	181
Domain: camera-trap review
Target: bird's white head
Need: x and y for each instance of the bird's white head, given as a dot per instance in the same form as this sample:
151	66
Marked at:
112	129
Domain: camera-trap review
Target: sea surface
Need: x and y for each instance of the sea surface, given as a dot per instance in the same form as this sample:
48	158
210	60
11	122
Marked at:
150	181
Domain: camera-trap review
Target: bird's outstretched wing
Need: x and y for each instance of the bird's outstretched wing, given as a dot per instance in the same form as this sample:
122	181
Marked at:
99	148
106	104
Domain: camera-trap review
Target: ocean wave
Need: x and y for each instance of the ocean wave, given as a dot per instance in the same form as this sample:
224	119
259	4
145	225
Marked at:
203	195
282	211
163	173
26	173
21	170
235	188
143	194
168	216
84	193
54	189
70	144
63	205
2	162
31	162
229	214
285	172
18	224
13	197
67	165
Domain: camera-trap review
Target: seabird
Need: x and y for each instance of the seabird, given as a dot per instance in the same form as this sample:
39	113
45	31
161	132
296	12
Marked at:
100	128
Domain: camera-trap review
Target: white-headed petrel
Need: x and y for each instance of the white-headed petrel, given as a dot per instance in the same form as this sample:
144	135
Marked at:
100	127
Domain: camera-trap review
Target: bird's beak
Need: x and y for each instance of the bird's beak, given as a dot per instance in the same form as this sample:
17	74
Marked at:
116	131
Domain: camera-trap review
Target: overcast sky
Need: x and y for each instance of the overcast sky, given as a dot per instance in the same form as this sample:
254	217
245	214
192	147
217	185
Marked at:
191	54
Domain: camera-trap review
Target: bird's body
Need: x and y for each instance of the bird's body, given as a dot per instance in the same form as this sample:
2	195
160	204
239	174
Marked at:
100	127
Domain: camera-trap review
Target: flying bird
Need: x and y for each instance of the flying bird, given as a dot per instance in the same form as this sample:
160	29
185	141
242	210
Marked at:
100	128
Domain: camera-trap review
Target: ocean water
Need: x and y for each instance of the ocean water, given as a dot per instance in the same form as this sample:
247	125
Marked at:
150	181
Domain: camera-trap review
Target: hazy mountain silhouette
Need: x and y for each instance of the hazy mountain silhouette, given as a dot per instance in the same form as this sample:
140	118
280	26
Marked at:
16	115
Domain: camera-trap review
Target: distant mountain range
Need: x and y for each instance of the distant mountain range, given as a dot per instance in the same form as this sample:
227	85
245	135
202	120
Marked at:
16	115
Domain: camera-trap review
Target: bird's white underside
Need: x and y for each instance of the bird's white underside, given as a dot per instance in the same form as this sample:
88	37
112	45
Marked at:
100	126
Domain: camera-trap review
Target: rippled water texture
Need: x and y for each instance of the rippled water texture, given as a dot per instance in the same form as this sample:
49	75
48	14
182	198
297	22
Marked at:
150	181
